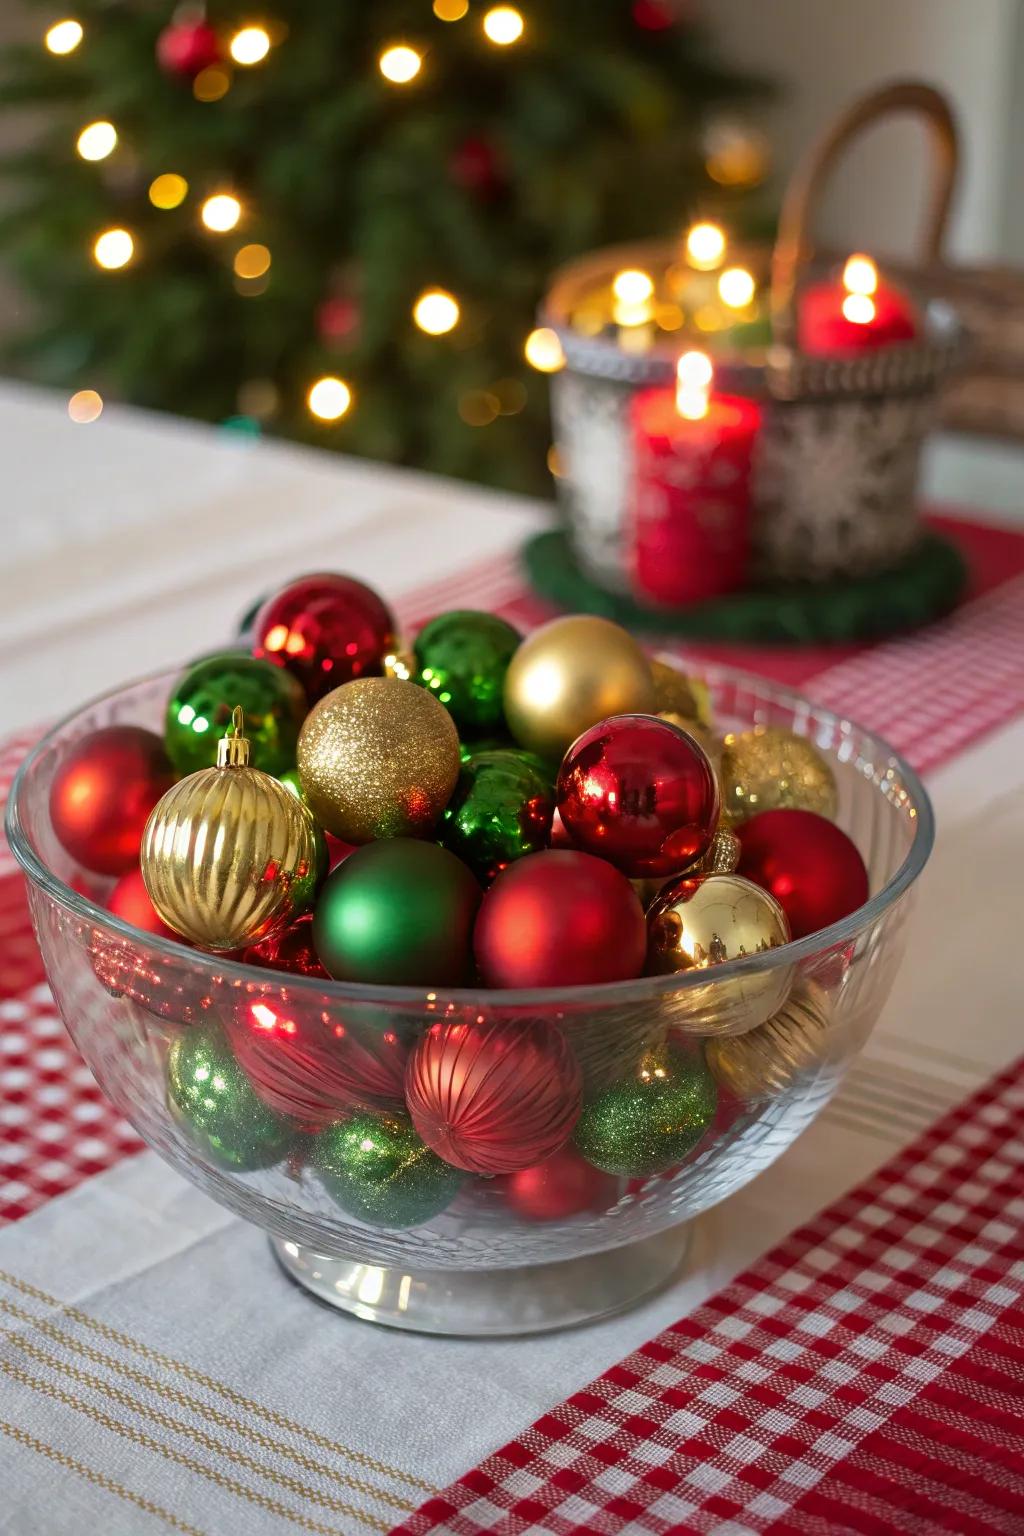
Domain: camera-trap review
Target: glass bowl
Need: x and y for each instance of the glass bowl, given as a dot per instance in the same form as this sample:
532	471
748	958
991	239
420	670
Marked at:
772	1033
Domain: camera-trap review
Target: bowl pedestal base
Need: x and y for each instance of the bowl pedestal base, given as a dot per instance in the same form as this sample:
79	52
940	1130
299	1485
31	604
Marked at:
536	1298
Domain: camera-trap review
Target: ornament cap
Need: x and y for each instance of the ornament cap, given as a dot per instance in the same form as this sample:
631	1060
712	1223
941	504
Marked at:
233	749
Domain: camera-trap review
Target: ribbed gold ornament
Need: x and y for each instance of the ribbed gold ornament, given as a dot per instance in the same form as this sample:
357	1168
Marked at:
229	854
772	769
770	1059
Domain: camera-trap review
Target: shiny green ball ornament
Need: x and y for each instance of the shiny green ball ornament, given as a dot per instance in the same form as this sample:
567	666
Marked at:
652	1119
462	657
399	912
210	1095
377	1168
202	700
501	809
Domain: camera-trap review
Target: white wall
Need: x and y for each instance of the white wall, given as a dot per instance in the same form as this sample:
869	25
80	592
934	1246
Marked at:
824	52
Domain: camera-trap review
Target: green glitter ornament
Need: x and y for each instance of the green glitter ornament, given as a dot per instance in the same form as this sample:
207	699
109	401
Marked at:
210	1095
201	702
652	1119
462	657
501	809
377	1168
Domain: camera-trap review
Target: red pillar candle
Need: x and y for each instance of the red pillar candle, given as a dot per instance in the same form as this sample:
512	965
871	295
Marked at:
690	534
855	313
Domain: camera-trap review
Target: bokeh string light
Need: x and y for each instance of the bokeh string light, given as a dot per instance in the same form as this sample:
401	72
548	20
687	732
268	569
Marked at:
250	45
113	249
543	350
503	25
252	261
221	212
450	10
96	140
211	83
705	246
736	287
329	399
85	406
64	36
436	312
168	191
400	64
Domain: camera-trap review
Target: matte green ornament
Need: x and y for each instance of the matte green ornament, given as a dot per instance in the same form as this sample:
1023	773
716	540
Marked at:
377	1168
398	912
652	1119
210	1095
462	657
199	712
501	809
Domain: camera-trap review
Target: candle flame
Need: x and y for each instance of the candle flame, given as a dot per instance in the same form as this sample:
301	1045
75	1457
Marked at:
694	374
860	275
858	308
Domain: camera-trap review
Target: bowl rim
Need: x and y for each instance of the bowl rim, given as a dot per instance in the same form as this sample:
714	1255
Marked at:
640	989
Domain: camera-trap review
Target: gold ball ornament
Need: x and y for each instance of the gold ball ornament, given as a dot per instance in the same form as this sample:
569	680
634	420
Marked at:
568	675
378	757
229	854
699	924
767	1061
676	693
772	769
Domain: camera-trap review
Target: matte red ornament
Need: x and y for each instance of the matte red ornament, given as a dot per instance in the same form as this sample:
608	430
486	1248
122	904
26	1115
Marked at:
559	919
102	794
129	900
307	1063
810	866
325	629
494	1097
639	792
167	985
187	47
562	1186
291	951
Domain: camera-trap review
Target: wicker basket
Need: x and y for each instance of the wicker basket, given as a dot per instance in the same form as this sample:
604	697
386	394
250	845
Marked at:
838	452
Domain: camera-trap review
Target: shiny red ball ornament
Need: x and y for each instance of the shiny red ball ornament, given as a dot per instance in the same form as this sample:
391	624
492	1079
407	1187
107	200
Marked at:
562	1186
559	919
309	1064
325	629
640	793
186	48
102	794
290	951
494	1097
810	866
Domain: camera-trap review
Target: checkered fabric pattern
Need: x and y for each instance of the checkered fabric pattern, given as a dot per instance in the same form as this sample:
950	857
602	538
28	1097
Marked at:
867	1375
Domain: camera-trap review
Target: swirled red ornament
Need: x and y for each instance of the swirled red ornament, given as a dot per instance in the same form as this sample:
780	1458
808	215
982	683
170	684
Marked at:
494	1097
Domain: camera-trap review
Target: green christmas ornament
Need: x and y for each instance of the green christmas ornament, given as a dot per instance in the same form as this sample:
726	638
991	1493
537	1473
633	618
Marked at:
462	657
501	809
377	1168
468	749
652	1119
210	1095
199	712
399	912
322	862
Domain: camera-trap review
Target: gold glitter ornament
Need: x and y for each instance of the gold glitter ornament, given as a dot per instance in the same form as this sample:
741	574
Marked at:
721	858
767	1061
771	769
568	675
675	693
229	854
378	757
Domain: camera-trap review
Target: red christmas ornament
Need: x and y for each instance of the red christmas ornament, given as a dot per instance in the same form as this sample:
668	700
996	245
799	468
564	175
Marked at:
494	1097
653	16
291	951
337	851
326	629
129	900
337	319
559	919
307	1064
562	1186
639	792
475	166
102	794
810	866
169	986
186	48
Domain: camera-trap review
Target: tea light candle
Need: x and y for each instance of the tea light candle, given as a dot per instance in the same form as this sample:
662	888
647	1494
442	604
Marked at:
854	315
689	539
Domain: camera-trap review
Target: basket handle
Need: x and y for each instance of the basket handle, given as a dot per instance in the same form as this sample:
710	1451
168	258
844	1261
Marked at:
793	246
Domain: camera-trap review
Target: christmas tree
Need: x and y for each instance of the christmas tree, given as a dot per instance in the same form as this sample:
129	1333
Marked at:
334	222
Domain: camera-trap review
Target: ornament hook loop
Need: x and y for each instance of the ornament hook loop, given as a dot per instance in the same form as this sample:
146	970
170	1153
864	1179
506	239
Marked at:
233	748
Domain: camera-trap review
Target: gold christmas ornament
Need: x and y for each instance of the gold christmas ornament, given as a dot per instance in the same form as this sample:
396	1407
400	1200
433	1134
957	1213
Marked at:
768	1060
675	693
400	663
229	854
568	675
699	924
705	739
378	757
771	769
721	858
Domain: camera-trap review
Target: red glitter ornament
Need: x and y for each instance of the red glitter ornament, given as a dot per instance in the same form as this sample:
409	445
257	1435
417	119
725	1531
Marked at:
307	1064
809	865
559	919
102	794
325	629
639	792
562	1186
494	1097
290	951
186	48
